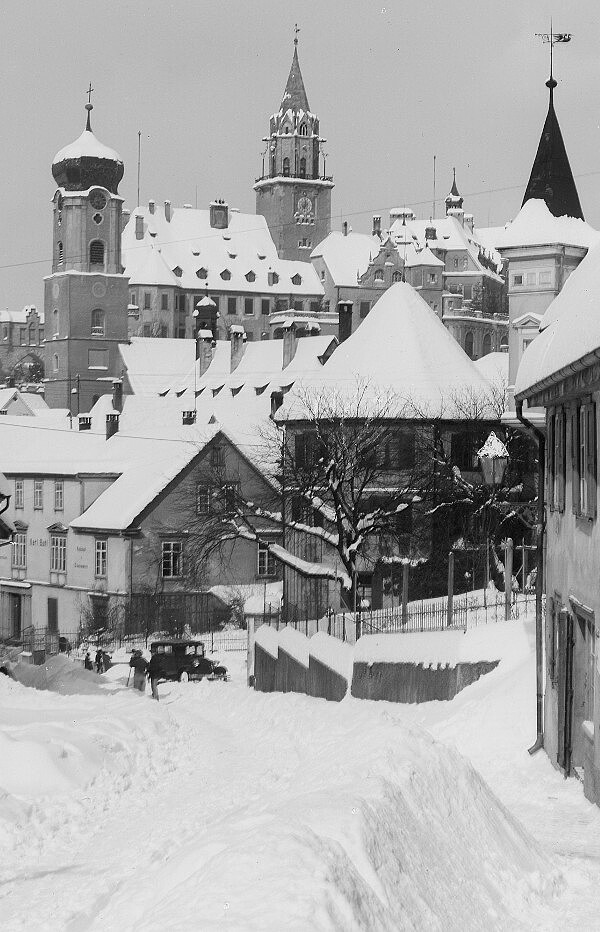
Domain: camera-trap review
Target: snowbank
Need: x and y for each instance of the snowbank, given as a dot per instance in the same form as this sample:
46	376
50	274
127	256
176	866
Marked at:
267	638
61	675
507	641
334	653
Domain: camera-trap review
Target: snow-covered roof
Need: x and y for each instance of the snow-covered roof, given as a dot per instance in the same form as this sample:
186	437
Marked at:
86	145
534	225
401	351
347	257
244	251
451	234
570	328
154	363
494	368
20	317
424	256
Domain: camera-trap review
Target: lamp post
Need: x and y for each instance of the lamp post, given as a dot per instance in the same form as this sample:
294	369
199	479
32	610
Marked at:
493	457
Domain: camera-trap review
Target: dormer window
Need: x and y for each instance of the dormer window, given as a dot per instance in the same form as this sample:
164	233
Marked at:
296	279
226	275
303	131
97	252
273	278
250	276
202	273
178	271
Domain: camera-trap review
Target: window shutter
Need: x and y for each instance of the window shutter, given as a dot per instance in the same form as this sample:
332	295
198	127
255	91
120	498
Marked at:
590	421
559	427
575	459
551	447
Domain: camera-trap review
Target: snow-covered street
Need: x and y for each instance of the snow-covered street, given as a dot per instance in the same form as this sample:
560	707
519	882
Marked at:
222	808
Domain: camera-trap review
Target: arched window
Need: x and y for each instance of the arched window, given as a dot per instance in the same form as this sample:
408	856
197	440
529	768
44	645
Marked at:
55	362
469	343
378	276
303	167
61	253
487	344
286	167
303	131
97	322
504	342
97	252
397	277
56	322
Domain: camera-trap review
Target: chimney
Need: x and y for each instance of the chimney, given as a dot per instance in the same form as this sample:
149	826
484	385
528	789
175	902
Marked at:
430	232
238	345
168	211
151	206
112	424
188	417
219	214
85	422
376	226
290	342
204	350
139	227
345	320
117	394
345	228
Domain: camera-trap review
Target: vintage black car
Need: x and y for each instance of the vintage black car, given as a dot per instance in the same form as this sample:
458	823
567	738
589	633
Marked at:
174	659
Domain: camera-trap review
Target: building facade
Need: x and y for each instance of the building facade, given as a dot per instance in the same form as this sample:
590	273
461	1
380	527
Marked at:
22	345
293	192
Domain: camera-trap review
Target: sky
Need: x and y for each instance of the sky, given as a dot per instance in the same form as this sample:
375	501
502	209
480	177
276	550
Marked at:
393	83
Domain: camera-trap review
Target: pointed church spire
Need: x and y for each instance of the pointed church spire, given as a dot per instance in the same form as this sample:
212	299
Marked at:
551	178
454	199
294	96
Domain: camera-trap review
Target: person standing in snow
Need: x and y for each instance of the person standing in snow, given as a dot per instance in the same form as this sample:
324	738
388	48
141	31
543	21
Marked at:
154	673
139	666
99	661
88	662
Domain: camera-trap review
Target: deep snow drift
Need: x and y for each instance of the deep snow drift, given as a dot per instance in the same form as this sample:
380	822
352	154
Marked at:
220	808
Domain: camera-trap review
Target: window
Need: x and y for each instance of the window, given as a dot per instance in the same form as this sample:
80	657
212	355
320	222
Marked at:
217	457
397	277
583	460
19	493
556	459
59	494
38	494
58	553
266	561
296	279
286	167
97	322
164	301
147	300
303	130
455	263
202	273
465	263
56	322
100	556
232	305
304	243
55	362
23	336
61	253
487	344
530	278
273	278
365	307
226	275
231	491
302	167
132	297
469	344
19	551
172	559
248	306
518	279
203	499
432	278
265	307
178	271
378	276
250	277
97	252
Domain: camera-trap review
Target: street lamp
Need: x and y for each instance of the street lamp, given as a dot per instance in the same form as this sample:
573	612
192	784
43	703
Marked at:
493	457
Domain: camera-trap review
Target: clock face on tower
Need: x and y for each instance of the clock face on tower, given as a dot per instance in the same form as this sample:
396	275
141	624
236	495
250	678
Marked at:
98	200
304	205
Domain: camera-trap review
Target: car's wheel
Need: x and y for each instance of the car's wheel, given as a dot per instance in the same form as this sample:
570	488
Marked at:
183	677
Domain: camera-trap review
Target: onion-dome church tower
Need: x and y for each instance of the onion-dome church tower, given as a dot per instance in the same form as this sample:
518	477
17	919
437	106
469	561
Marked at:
551	177
293	192
86	295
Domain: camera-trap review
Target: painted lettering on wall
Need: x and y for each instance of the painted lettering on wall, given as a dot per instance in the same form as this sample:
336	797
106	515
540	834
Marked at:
37	542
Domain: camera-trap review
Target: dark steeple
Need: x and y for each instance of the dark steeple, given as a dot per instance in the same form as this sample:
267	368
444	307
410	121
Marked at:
551	177
454	199
294	97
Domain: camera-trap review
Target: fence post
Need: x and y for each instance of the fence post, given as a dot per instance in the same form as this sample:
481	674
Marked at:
450	606
250	654
508	568
405	570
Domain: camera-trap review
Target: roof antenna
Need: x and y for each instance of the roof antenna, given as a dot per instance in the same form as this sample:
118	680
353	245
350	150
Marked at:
433	204
138	165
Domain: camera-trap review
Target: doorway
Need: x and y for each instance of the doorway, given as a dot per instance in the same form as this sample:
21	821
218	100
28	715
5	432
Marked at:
16	615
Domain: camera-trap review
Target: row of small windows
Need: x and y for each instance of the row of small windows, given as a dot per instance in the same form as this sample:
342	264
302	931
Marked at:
486	346
28	336
232	306
172	560
532	279
58	553
38	494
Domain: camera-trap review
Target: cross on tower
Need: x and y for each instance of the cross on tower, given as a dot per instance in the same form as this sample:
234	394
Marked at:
89	93
296	31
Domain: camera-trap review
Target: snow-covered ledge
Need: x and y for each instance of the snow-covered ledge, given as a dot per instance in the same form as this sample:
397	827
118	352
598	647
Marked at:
588	730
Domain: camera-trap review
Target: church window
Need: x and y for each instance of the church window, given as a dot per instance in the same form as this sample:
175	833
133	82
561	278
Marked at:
55	321
97	252
296	279
97	218
147	298
303	131
61	253
97	322
232	305
286	167
303	167
202	273
397	277
250	277
226	275
469	344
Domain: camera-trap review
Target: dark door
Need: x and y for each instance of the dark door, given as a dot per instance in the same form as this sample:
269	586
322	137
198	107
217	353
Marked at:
52	615
565	692
16	615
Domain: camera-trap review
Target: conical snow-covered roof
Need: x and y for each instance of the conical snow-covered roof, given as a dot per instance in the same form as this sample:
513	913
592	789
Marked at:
294	97
87	162
401	351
